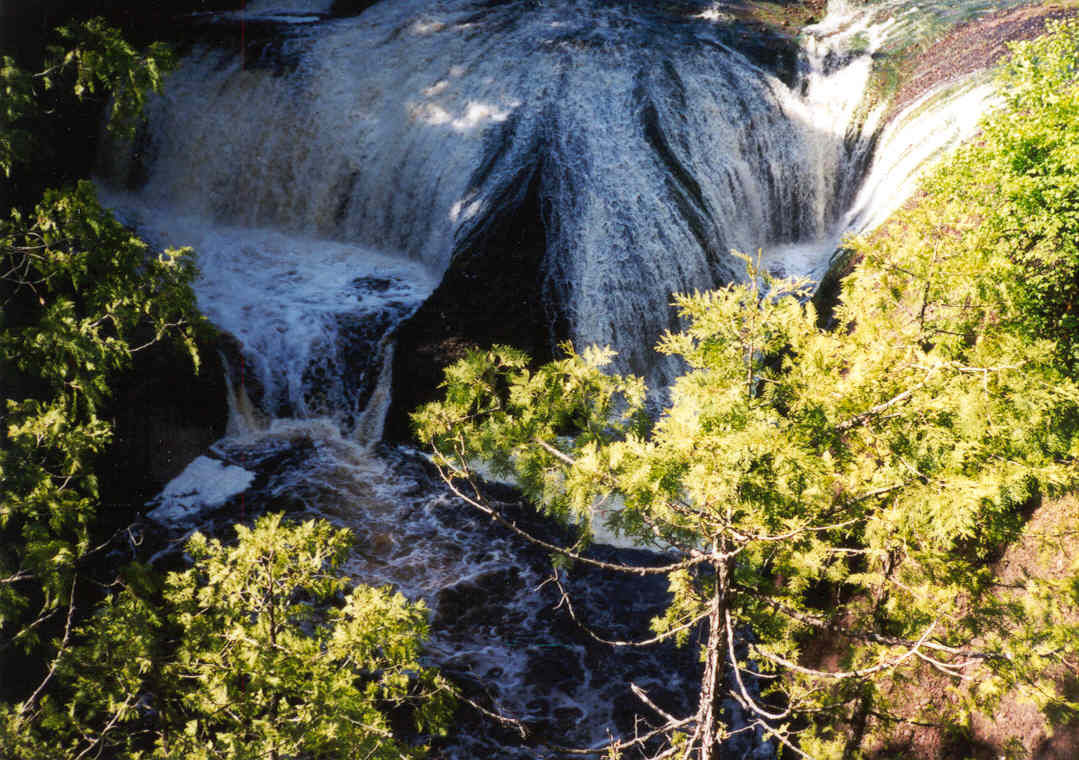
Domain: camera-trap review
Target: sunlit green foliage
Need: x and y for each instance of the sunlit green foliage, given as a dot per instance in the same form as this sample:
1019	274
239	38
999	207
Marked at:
1014	193
847	488
81	296
260	650
262	669
94	61
881	464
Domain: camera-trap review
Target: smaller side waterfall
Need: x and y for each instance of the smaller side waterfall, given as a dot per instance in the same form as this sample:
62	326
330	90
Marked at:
881	156
310	316
938	121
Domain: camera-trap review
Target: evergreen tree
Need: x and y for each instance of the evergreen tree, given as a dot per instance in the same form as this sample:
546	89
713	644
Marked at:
94	61
849	486
259	650
81	295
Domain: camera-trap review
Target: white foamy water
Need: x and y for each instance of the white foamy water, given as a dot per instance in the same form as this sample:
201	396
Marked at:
204	484
309	314
655	146
924	131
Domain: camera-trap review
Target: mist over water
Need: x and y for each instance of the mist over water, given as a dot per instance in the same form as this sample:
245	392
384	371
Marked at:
328	175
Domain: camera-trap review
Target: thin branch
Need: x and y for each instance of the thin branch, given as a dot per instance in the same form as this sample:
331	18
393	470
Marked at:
641	695
565	600
863	417
779	538
517	725
159	334
772	732
847	674
498	517
100	738
897	719
620	744
21	575
877	638
947	668
750	702
61	651
22	632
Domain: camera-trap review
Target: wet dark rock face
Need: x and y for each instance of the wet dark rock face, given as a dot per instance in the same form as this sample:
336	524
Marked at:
492	294
973	46
164	416
350	7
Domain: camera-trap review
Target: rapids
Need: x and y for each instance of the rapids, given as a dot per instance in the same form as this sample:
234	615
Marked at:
328	173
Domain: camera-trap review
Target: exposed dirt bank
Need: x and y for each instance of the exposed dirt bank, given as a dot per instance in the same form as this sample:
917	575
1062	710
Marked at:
1048	550
974	46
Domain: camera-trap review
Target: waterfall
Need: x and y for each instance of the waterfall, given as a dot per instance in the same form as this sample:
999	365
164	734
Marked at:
330	172
924	130
311	315
657	147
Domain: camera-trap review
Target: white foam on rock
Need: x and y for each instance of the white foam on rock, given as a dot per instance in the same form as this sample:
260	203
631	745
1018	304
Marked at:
204	484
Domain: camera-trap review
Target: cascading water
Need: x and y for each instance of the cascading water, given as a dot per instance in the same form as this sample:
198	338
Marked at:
656	146
329	173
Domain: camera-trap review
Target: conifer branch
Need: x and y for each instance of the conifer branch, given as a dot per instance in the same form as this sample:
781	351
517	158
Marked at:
863	417
501	519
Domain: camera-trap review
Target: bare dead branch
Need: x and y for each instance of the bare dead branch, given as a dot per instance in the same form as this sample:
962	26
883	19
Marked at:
517	725
25	707
848	674
641	695
750	703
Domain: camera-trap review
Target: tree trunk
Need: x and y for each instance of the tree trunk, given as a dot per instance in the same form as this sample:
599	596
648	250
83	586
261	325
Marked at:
710	709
